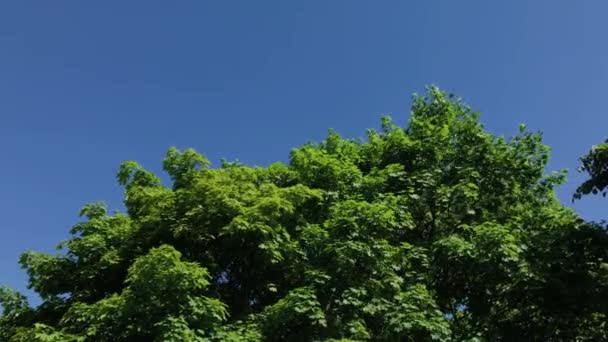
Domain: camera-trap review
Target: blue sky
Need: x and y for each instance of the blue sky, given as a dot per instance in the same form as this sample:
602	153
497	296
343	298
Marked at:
87	85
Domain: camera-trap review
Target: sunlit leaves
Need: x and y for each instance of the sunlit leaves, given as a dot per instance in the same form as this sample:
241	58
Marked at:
294	318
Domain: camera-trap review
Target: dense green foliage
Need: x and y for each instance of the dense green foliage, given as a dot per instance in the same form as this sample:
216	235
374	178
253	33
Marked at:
438	231
595	163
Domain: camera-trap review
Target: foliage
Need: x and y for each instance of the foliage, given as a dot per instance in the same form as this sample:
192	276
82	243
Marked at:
438	231
595	163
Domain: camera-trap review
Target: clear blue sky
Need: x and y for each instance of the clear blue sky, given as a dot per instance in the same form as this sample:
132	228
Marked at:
86	85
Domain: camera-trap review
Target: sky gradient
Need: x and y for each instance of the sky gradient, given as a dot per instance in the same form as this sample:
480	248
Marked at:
87	85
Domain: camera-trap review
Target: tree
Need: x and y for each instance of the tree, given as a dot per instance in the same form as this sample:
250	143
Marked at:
595	163
438	231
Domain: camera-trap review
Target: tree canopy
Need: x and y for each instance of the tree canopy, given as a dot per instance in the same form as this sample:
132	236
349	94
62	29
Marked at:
438	231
